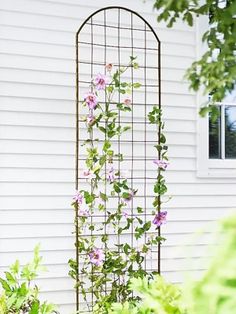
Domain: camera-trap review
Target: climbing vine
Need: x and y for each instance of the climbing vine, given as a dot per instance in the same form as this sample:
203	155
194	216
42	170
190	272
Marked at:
106	268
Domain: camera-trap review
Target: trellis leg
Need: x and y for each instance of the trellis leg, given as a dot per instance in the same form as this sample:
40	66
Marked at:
159	152
77	170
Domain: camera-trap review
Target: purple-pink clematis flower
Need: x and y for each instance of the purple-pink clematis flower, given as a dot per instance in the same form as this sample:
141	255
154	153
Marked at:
125	214
127	101
90	119
111	174
91	100
83	212
161	164
101	81
78	197
97	256
160	218
109	67
88	174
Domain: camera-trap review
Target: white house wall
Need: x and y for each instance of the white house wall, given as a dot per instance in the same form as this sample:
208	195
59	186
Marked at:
37	131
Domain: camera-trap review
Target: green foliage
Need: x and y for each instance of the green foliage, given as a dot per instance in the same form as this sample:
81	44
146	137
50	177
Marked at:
3	304
215	292
19	295
157	297
216	70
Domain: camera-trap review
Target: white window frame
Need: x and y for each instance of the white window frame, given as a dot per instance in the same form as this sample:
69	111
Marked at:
206	167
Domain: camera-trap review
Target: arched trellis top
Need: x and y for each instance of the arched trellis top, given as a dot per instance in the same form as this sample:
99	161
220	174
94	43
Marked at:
114	35
120	8
133	13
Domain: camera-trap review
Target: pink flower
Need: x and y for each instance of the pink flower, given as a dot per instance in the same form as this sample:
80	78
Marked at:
88	174
111	175
109	67
161	164
91	100
83	213
97	256
160	218
127	101
101	81
78	197
90	119
125	214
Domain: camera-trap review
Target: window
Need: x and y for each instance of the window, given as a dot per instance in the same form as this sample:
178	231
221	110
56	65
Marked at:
216	144
222	133
216	140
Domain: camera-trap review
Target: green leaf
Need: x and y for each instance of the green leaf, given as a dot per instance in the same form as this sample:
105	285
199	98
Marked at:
102	160
132	58
5	285
89	198
47	308
101	128
126	248
125	195
15	268
10	278
137	85
139	220
110	88
126	128
19	302
106	145
147	226
138	232
111	133
103	196
162	138
34	308
189	18
116	188
140	210
120	230
122	91
204	111
104	238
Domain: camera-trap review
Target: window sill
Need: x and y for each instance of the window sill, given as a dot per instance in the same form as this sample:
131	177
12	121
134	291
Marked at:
216	168
222	163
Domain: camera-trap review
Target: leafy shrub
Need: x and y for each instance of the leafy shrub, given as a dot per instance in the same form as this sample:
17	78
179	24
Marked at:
158	297
214	293
19	296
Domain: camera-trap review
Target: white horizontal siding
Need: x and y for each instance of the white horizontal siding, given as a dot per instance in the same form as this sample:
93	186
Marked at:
37	134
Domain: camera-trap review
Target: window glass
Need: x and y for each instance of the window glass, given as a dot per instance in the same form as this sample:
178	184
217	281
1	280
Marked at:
214	138
230	132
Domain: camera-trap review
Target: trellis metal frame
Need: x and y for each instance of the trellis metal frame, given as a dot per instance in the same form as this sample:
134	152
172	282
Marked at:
79	140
